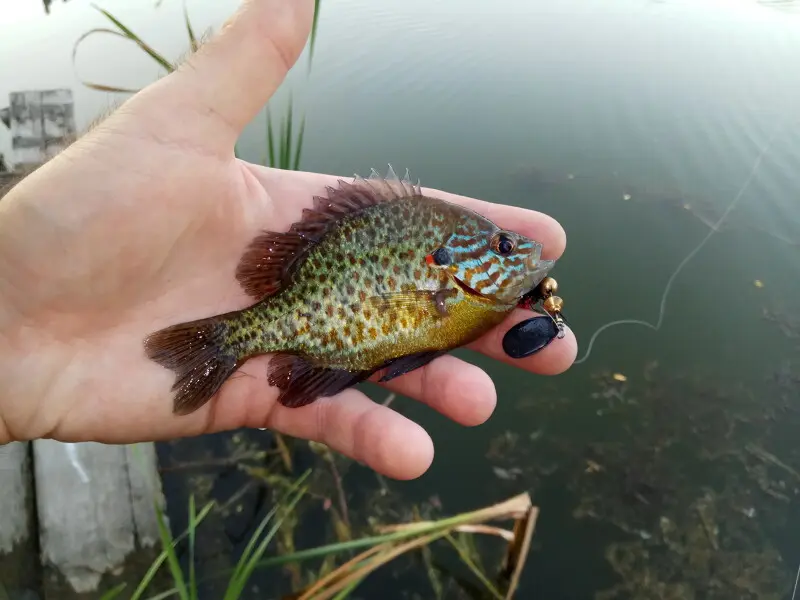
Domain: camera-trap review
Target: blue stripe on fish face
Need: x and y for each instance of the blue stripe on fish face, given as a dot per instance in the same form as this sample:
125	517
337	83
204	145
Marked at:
477	263
525	246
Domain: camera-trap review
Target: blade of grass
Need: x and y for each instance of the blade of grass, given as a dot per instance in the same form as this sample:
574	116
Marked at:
300	136
135	38
348	590
151	572
287	143
237	573
467	560
249	559
284	452
279	141
189	30
192	529
164	595
98	86
241	564
370	566
108	88
421	534
359	559
518	550
172	557
313	40
270	140
262	548
433	575
113	592
517	507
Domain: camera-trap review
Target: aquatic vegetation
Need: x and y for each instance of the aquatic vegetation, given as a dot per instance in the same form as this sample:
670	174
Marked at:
342	566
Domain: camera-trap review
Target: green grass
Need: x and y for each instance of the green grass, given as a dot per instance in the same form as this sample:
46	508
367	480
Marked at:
376	550
253	553
332	582
284	143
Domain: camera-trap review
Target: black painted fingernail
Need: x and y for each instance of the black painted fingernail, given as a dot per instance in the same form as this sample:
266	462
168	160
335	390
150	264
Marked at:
529	336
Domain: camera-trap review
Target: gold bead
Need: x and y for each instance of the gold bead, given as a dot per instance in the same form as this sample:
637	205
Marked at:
553	304
549	286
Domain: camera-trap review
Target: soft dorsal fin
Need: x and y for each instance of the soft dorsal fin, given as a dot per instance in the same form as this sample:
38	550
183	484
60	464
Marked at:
271	257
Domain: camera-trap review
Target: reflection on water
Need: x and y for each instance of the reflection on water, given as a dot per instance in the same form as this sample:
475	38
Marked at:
636	124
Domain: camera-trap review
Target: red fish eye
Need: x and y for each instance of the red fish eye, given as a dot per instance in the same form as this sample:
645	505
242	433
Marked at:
503	245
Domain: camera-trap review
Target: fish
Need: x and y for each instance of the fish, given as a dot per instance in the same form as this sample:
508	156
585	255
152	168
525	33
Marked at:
376	277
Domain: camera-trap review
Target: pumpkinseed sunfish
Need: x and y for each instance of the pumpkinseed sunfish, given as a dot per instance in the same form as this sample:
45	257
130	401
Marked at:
376	276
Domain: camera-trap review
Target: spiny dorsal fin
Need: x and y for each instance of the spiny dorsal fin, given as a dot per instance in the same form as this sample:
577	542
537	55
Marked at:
271	257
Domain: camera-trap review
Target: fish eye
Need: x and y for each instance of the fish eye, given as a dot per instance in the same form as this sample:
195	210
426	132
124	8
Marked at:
503	244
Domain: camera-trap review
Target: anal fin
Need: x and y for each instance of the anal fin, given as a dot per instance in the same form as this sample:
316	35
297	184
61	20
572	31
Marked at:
411	362
301	383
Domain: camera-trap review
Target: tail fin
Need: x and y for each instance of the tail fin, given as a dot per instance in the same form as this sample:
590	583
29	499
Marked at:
196	352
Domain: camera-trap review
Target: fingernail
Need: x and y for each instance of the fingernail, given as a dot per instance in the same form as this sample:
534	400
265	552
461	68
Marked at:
529	336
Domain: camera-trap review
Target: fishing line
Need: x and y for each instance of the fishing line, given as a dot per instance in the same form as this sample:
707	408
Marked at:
796	579
714	229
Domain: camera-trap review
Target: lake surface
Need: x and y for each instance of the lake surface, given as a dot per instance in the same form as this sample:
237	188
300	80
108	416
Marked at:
637	125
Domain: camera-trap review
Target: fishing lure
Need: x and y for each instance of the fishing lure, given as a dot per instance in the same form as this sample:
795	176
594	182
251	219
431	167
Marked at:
376	277
534	334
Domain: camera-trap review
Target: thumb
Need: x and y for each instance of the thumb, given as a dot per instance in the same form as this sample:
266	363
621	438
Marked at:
230	78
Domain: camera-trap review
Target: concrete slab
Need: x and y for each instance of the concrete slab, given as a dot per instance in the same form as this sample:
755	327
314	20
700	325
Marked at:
19	561
96	515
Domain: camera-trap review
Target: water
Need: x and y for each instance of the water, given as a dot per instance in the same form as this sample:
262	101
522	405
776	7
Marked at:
568	108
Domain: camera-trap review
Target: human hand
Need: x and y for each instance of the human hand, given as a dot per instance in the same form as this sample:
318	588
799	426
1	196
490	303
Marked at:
140	224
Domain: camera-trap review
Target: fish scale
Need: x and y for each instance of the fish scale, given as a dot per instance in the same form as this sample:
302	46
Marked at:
353	288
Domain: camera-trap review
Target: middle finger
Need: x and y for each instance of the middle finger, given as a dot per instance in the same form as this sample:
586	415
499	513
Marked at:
459	390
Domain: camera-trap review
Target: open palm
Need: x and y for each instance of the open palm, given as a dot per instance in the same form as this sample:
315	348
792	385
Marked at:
140	224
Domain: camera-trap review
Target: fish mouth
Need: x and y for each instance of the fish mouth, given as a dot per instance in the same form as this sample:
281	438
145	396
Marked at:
467	290
538	271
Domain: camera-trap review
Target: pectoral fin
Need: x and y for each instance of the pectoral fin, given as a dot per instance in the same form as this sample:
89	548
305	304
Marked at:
434	303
